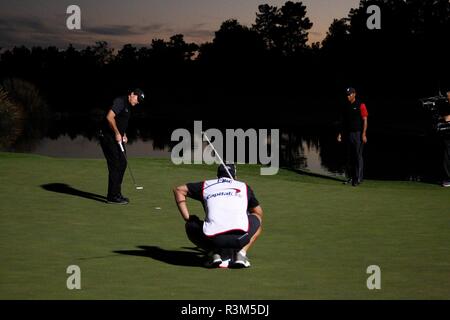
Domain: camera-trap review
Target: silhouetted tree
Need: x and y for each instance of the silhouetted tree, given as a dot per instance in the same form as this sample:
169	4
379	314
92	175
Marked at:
101	52
404	60
180	50
232	43
25	112
284	29
338	35
174	50
127	56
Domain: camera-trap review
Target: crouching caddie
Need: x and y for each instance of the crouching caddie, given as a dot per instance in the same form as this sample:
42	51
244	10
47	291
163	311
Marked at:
232	222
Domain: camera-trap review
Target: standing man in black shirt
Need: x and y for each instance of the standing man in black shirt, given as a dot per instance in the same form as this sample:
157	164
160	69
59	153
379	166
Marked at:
353	134
114	132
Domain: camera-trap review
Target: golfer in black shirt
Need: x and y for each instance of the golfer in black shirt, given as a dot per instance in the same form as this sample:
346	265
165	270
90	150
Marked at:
114	132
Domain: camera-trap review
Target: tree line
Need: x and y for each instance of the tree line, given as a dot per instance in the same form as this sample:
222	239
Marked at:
267	70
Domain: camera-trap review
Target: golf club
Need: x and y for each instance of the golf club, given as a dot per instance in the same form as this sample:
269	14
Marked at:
218	155
129	168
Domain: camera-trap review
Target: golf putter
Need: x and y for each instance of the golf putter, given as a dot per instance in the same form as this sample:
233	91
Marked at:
218	155
129	168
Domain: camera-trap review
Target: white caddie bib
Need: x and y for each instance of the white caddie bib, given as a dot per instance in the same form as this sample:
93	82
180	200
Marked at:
226	204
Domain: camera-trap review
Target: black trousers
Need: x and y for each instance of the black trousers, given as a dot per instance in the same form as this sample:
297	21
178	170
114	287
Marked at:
117	164
229	240
447	159
354	155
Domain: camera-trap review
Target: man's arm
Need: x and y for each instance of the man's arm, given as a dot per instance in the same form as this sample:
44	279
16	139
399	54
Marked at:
364	137
340	120
258	211
364	115
111	118
180	193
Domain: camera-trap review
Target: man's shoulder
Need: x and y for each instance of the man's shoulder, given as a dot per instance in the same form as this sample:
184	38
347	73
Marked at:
239	182
120	100
195	183
222	180
120	104
242	182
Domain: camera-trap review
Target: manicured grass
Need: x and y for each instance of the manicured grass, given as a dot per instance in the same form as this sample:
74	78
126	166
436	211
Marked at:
319	236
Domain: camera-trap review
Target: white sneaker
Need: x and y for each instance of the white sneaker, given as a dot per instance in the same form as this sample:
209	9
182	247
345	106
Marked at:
241	261
214	260
225	264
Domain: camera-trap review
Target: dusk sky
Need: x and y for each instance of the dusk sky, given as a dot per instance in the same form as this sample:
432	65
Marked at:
28	22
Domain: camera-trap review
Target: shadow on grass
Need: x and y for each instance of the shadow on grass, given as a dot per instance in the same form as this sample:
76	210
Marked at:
422	180
64	188
174	257
315	175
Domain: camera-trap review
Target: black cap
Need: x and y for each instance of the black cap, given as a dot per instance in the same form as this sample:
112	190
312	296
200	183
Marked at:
350	90
140	94
222	173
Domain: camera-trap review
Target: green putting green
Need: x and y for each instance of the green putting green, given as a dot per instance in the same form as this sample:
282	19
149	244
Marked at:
319	236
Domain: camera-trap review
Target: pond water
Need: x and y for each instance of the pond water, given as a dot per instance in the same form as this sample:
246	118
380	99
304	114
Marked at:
390	155
82	147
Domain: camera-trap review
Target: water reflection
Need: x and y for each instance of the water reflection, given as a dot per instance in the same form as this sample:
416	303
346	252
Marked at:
82	147
314	149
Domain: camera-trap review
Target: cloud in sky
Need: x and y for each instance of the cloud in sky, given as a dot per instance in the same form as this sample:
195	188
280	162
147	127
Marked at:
126	30
28	31
33	31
